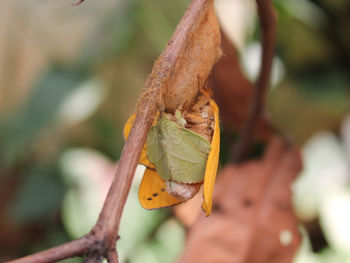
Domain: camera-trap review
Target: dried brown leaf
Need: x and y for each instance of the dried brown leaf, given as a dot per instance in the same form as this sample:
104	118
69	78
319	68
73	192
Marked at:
183	68
189	211
253	219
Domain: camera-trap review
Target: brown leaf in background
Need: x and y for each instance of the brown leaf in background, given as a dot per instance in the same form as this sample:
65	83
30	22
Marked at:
233	91
253	221
189	211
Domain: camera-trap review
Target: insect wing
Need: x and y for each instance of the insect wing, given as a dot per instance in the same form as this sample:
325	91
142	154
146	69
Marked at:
179	154
212	164
127	128
152	192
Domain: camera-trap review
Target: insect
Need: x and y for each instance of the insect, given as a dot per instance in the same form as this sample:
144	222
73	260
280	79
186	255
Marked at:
179	157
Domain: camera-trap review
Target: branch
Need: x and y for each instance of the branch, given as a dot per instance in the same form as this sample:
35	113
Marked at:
71	249
112	256
100	242
268	21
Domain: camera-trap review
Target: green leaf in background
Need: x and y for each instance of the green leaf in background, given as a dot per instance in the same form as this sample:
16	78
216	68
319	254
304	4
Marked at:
166	246
109	138
327	87
39	196
138	225
19	131
303	10
156	25
88	175
112	37
81	103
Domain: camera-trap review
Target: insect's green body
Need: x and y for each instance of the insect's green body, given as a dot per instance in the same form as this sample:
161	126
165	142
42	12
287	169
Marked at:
178	154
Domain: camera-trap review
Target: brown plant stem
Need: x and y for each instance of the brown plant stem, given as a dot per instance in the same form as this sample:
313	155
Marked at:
268	20
100	242
71	249
112	256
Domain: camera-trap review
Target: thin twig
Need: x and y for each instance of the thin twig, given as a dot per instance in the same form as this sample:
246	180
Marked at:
71	249
112	256
268	20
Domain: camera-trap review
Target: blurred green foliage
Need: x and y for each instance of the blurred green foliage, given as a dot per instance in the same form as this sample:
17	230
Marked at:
39	196
70	77
20	129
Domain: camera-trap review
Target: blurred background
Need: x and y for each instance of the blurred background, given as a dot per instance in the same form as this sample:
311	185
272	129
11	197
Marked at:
71	76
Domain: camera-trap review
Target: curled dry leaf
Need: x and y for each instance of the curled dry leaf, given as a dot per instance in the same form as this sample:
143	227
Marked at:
233	91
253	219
200	52
183	68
